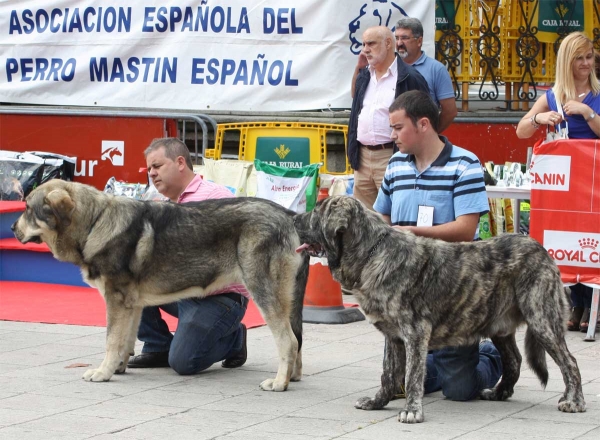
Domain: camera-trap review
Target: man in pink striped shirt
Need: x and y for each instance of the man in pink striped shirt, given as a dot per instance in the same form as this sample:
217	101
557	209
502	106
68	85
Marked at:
209	329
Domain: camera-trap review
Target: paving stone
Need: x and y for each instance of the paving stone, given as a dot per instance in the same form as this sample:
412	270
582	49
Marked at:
41	399
392	429
521	428
78	424
21	433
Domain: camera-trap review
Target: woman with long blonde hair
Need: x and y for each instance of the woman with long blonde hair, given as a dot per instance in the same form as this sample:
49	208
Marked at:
575	97
574	100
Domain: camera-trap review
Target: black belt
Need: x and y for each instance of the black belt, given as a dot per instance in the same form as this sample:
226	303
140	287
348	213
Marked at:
237	297
378	146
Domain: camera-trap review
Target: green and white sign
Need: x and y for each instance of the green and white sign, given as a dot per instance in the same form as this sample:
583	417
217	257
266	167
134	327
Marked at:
288	152
560	14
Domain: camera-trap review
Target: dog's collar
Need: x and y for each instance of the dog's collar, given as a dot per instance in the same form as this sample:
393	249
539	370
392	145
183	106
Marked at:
374	248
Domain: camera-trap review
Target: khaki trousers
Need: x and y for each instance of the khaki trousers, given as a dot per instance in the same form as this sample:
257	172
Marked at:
368	177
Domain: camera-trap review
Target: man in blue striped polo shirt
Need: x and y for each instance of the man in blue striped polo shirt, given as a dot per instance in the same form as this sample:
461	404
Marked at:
436	189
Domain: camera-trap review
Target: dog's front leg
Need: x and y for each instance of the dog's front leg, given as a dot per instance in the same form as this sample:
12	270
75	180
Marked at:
416	358
391	379
118	325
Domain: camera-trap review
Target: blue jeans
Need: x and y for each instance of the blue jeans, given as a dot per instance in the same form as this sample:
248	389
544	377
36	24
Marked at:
209	330
581	296
463	372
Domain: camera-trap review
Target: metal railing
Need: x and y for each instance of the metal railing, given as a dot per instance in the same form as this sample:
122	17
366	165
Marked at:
494	44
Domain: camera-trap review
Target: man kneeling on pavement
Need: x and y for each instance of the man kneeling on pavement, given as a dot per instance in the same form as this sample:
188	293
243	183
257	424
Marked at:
209	329
430	173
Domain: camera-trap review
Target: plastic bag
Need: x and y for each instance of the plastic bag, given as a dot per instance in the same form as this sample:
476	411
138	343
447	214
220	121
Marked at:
56	166
129	190
292	188
233	174
20	173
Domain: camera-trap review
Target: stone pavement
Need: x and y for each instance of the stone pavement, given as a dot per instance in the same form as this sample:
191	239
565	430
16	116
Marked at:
42	395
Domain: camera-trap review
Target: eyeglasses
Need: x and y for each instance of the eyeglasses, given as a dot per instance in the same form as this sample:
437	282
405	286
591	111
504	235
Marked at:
405	38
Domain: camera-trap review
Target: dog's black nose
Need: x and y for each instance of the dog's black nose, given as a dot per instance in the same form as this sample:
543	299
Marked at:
12	228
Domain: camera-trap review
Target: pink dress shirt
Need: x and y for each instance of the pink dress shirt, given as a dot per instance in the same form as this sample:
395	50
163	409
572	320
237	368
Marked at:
197	191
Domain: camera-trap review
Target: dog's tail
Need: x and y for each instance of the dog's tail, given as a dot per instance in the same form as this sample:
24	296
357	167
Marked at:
298	302
536	357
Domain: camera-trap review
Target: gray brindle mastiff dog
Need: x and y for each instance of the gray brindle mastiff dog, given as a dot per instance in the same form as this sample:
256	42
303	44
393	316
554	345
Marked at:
423	293
149	253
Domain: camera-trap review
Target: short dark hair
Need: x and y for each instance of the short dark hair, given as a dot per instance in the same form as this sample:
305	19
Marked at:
417	105
412	24
173	148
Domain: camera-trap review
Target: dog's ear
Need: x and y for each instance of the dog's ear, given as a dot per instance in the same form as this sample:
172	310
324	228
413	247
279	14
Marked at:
61	204
337	220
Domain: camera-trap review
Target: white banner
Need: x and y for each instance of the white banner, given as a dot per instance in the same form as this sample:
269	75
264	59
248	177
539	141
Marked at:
252	55
549	171
569	248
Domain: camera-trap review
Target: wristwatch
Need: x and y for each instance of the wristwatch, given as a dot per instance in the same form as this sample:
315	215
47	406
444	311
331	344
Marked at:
592	116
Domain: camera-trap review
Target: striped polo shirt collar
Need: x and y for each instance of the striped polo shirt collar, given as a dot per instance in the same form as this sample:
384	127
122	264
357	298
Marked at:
441	160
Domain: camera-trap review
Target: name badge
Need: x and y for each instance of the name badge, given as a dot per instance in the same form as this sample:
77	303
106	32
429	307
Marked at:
425	216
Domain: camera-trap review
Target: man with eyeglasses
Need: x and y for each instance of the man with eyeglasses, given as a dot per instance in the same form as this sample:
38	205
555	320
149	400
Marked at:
409	39
380	77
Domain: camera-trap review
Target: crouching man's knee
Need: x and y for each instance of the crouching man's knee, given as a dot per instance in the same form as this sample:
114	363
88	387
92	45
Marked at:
185	366
460	391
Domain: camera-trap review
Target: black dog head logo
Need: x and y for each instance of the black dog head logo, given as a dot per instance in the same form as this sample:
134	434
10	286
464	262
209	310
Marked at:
373	13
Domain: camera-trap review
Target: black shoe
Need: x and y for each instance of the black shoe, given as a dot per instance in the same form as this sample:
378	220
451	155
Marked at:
240	358
149	360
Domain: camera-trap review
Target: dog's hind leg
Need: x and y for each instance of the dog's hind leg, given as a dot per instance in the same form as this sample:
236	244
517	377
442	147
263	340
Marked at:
119	323
297	371
131	338
287	347
394	362
296	314
551	338
511	368
546	325
273	296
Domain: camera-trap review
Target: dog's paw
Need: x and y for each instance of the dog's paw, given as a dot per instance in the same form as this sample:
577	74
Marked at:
96	375
488	394
570	406
495	394
123	364
409	416
367	404
272	385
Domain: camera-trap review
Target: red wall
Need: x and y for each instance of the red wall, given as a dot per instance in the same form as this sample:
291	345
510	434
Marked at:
82	136
491	142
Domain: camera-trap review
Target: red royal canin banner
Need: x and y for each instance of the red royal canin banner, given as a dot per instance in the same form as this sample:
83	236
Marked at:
565	206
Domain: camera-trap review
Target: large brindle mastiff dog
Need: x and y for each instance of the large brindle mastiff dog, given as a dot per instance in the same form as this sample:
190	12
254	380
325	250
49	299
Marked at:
149	253
423	294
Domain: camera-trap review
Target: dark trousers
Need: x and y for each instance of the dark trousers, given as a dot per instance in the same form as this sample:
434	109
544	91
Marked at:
209	330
